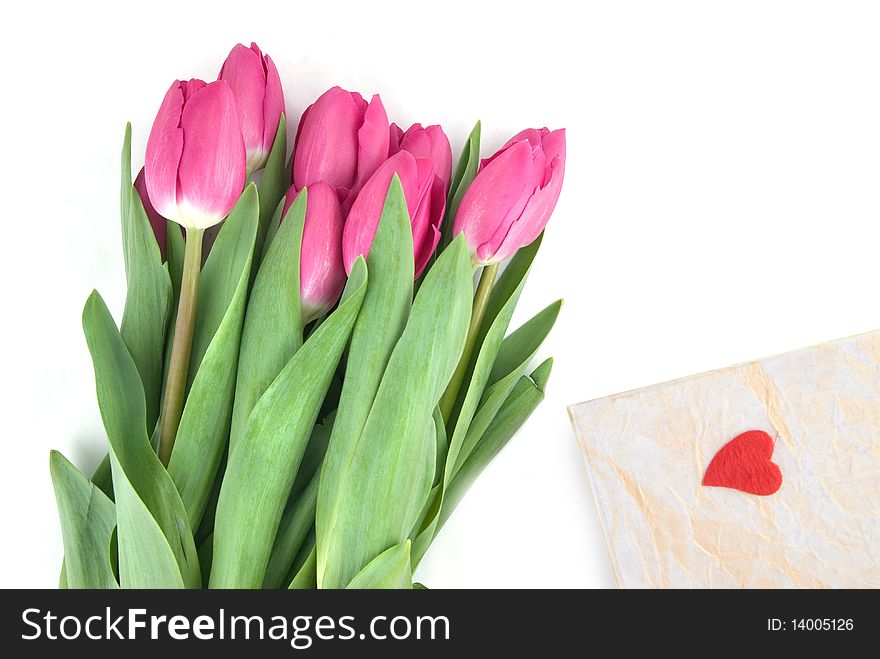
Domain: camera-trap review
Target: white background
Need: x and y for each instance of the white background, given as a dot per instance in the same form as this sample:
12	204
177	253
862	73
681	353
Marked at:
721	203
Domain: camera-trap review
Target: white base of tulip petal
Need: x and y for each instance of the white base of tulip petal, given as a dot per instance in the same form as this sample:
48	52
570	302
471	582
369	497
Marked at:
190	217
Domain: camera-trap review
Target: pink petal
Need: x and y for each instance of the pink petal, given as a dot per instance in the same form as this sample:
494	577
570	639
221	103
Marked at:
395	135
273	104
164	148
430	143
363	219
373	140
327	140
243	71
536	214
420	214
322	274
211	175
157	222
428	243
496	198
554	148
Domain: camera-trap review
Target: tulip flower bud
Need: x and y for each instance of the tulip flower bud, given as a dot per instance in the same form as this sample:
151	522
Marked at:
341	140
430	142
157	222
321	273
425	200
256	86
195	162
510	200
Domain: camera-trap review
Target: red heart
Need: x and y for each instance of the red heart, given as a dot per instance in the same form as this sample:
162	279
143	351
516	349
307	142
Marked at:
744	464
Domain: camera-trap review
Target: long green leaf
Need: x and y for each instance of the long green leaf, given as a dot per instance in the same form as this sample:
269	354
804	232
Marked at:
156	547
313	458
298	520
525	397
423	531
146	558
222	272
522	401
204	424
517	350
88	518
175	248
263	464
509	280
273	325
495	324
274	225
378	502
148	297
379	325
306	577
389	570
295	524
273	185
468	165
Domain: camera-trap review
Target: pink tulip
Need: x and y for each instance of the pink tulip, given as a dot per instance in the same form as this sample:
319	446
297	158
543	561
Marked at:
196	165
341	140
430	143
157	222
321	273
510	200
425	200
259	100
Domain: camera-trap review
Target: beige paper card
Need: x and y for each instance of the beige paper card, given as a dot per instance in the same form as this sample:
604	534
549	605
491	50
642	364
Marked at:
646	453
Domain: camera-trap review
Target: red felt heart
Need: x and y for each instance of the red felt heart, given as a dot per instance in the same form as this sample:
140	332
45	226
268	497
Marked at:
744	464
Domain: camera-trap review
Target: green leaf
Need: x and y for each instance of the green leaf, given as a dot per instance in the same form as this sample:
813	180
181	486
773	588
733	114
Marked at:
296	532
273	324
427	526
500	310
273	185
423	530
156	547
313	458
204	424
274	225
306	576
517	350
221	273
102	477
442	444
175	249
146	558
379	325
522	401
148	297
206	557
508	282
389	570
465	172
263	464
88	518
380	500
297	521
206	528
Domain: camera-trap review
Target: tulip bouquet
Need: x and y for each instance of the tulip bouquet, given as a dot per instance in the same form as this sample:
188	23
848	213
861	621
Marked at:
306	379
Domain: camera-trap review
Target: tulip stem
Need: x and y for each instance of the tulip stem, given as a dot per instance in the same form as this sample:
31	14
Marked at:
478	311
181	347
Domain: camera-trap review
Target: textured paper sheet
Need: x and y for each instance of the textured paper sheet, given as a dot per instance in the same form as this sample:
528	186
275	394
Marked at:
646	452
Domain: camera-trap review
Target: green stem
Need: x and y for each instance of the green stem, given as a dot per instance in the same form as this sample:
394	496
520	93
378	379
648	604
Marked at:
181	348
481	301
